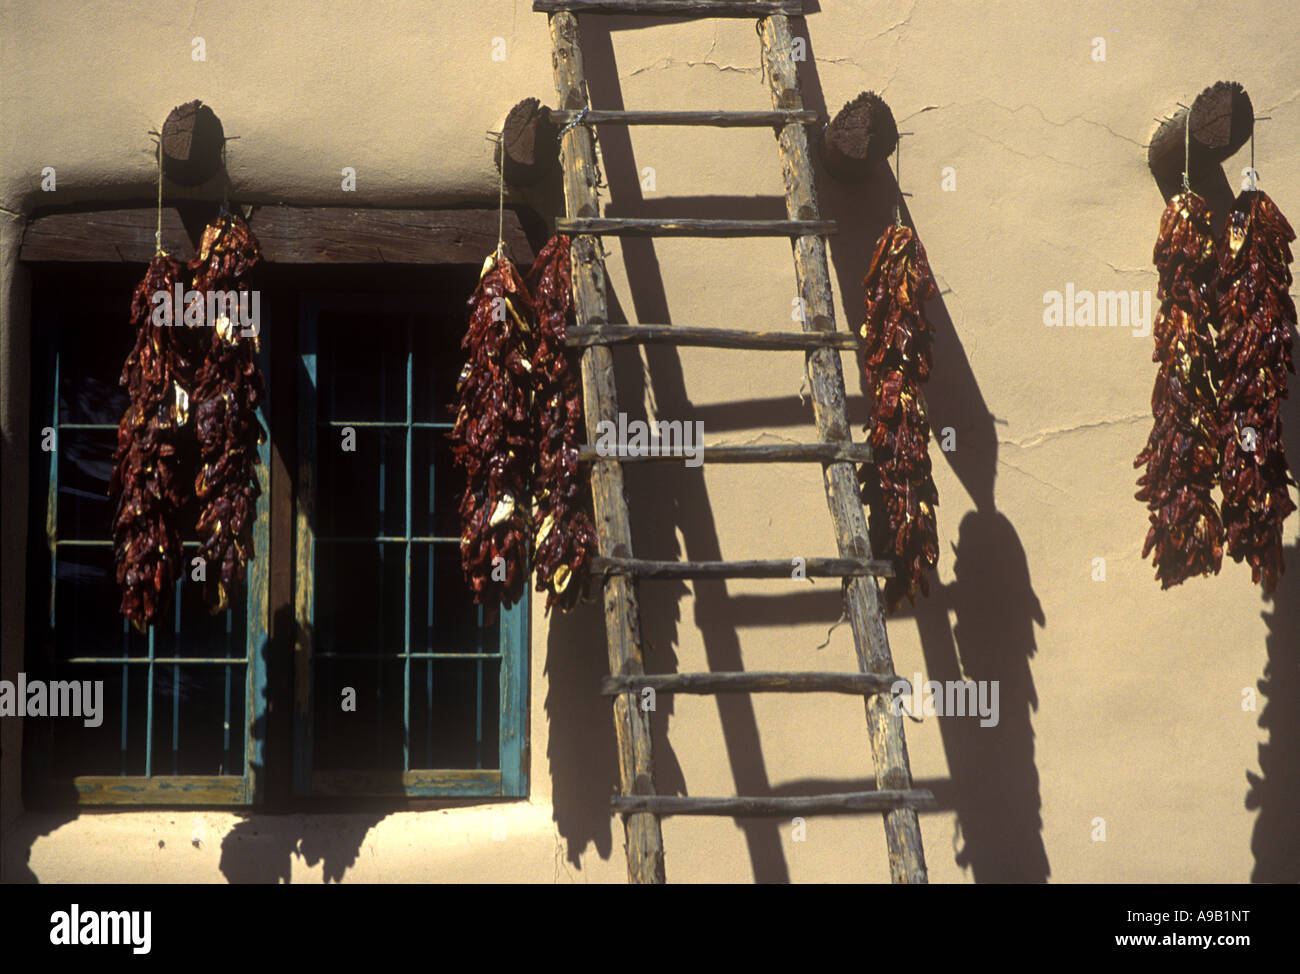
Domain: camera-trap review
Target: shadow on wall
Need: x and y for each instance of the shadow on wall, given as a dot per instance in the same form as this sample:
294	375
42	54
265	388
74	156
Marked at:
664	501
1275	792
260	849
994	786
995	781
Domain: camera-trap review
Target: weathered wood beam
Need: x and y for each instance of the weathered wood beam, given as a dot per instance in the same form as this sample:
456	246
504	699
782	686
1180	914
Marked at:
755	681
859	138
754	453
1221	122
754	568
192	138
690	8
717	119
528	149
826	380
686	227
288	235
853	801
794	341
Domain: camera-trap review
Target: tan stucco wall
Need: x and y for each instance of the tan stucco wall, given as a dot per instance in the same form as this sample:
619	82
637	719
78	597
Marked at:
1138	717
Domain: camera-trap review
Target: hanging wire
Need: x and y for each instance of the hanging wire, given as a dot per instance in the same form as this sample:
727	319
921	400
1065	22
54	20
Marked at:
898	182
225	181
898	179
1187	148
499	139
157	236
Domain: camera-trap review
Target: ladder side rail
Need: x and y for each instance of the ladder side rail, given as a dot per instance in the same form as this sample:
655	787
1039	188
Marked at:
826	379
644	837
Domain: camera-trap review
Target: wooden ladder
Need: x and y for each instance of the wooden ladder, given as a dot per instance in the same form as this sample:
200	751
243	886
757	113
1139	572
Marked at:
640	806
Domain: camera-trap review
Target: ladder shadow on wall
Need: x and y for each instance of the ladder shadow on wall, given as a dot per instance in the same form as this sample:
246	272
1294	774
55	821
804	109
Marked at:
664	502
993	786
1274	793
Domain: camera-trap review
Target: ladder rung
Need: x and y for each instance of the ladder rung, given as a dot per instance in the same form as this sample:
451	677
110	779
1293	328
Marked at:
757	453
686	227
693	8
768	568
755	681
757	341
851	801
718	119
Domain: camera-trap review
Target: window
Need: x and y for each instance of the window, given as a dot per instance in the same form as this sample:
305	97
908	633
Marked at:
177	701
437	684
398	684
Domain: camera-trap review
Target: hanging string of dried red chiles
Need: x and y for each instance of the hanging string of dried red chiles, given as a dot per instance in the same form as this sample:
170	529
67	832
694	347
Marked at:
154	460
178	370
492	440
1182	451
564	537
897	486
228	390
1254	352
516	436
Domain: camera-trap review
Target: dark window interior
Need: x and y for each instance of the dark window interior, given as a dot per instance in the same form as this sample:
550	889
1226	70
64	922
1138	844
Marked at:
424	661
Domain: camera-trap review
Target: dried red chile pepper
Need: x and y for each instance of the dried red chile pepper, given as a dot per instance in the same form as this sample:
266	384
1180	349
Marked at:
1182	452
154	460
492	440
898	487
564	538
228	390
1254	351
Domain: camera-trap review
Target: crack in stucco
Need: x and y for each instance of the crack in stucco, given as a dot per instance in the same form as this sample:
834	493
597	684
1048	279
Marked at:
1038	480
1073	118
1041	114
1042	436
1285	101
922	111
671	62
1026	155
1130	270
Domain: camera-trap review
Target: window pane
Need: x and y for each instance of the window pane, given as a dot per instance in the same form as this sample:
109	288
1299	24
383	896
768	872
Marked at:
361	493
444	618
436	486
93	346
363	357
69	748
369	738
193	706
438	361
87	620
360	593
447	731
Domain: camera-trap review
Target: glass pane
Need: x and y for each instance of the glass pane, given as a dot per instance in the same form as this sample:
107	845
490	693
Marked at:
87	602
360	597
85	459
444	618
436	486
190	710
72	748
369	738
453	733
438	361
93	346
361	493
363	357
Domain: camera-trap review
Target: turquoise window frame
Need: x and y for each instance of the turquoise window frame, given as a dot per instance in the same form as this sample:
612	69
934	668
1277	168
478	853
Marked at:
510	779
153	788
